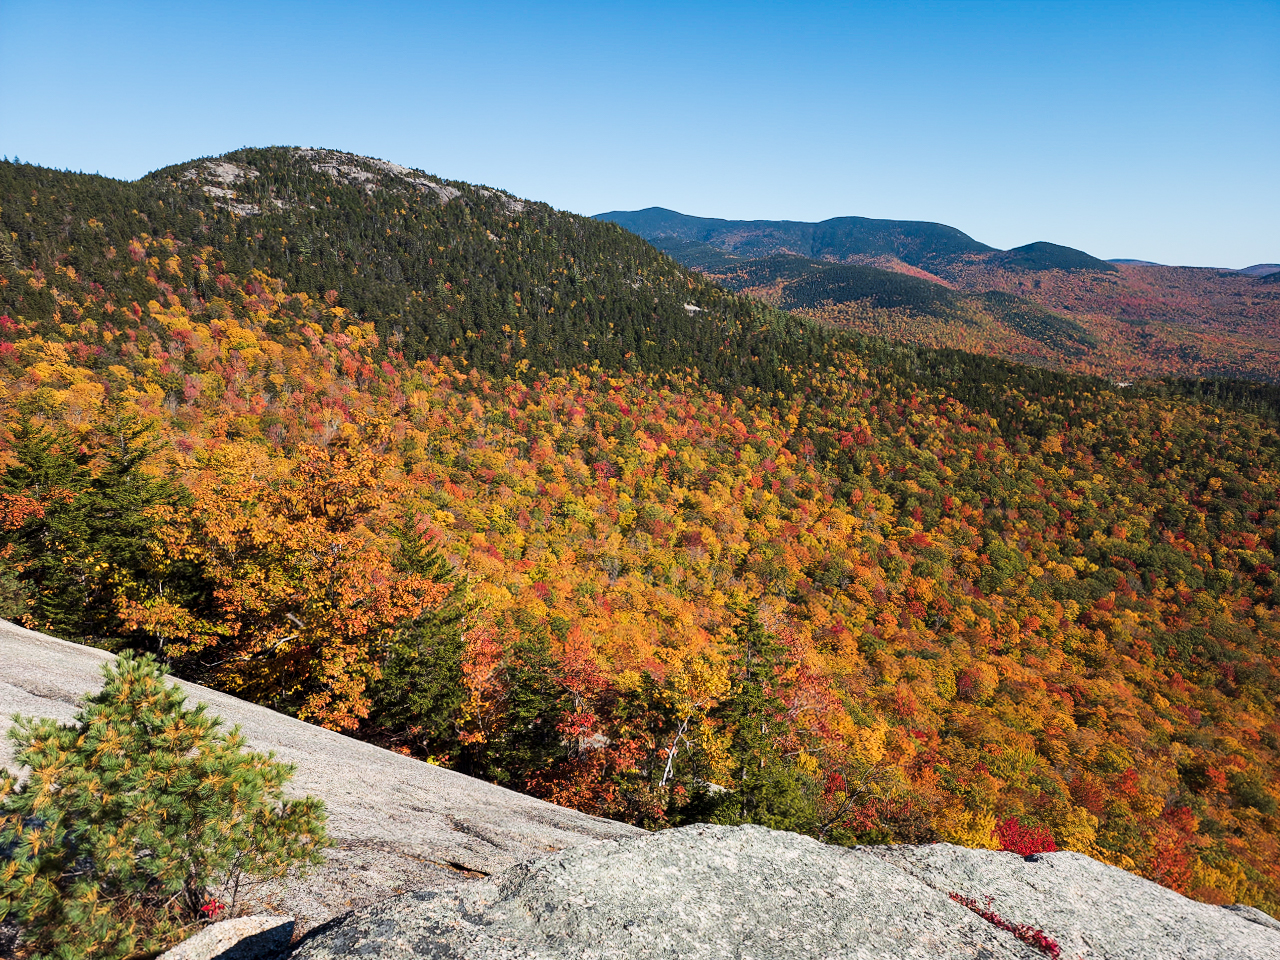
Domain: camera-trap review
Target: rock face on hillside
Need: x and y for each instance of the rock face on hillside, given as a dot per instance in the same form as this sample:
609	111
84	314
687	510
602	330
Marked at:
748	892
397	823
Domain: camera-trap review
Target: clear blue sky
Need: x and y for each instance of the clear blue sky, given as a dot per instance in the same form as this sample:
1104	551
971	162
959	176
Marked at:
1146	130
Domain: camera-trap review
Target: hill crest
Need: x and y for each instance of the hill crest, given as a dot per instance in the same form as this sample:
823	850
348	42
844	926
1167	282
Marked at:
1041	303
218	176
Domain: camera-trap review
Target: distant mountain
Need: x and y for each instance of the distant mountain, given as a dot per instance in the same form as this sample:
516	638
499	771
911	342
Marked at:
1051	256
876	300
917	243
914	242
1041	303
1257	270
883	288
698	255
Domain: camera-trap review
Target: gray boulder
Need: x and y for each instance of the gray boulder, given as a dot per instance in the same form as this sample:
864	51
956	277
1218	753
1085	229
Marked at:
1091	909
748	892
240	938
1254	914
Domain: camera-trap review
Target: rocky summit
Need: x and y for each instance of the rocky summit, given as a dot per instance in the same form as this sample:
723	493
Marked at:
749	892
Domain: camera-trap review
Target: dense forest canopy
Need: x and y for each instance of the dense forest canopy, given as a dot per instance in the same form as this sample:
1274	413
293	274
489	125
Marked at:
510	489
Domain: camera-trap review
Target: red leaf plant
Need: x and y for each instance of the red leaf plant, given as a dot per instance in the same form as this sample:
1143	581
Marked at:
1023	840
1031	936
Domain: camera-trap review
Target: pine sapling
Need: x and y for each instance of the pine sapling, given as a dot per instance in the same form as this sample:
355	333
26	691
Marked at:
132	813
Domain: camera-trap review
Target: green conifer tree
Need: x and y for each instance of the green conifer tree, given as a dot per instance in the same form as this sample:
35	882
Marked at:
49	549
98	521
528	740
417	699
132	813
770	790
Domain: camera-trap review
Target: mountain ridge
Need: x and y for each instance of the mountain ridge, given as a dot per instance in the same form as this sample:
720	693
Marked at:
1124	319
915	242
665	223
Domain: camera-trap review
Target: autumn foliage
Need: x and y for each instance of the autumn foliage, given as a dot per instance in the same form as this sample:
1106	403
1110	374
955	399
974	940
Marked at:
1024	841
1019	611
1125	323
300	594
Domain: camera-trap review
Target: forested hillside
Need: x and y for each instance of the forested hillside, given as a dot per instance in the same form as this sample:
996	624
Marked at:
918	243
507	488
903	307
1041	303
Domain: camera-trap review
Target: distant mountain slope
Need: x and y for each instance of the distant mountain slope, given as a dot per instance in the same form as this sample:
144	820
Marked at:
913	242
1051	256
883	288
875	300
698	255
1056	305
847	240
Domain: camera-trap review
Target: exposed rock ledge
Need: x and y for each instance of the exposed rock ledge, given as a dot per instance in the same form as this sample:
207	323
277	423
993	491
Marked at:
748	892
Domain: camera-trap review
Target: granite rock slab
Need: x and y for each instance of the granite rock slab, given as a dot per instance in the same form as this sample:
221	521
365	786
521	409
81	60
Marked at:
262	937
748	893
1090	908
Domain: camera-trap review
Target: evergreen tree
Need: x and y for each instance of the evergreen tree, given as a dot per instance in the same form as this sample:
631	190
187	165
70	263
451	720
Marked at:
95	524
770	790
528	739
417	699
132	814
49	550
120	516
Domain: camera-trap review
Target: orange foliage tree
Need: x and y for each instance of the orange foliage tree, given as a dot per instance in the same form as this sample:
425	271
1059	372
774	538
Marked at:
301	589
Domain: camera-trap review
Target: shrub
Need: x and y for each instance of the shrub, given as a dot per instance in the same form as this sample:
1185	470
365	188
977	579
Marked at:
132	813
1023	840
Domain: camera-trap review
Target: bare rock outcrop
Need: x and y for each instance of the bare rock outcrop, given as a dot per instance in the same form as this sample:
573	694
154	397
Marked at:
705	893
1090	908
240	938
